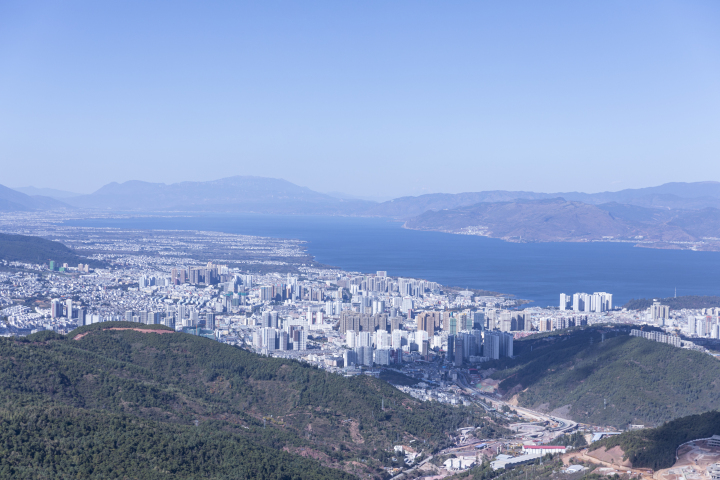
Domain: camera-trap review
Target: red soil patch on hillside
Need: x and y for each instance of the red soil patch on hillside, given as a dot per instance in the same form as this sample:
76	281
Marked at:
141	330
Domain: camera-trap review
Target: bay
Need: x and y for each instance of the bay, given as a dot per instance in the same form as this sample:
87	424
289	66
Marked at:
535	271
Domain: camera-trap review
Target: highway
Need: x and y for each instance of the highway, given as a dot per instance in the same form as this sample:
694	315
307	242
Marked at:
563	425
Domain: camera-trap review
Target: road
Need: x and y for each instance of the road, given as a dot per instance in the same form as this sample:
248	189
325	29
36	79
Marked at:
402	475
564	425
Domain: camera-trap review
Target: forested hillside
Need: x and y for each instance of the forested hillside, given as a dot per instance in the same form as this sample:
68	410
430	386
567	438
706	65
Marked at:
24	248
186	393
618	381
655	448
66	442
676	303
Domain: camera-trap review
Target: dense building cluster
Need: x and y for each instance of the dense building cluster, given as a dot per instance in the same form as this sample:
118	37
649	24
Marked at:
585	302
673	340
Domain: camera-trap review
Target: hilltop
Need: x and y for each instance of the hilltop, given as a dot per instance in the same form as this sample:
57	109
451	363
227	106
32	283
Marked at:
655	447
187	393
15	201
29	249
676	303
619	381
232	194
559	220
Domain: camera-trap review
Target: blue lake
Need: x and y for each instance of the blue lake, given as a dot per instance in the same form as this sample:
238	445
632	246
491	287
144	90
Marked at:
534	271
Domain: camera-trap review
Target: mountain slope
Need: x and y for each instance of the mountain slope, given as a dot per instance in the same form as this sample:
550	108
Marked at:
670	195
233	194
24	248
643	382
406	207
68	443
47	192
529	220
14	201
655	447
557	220
177	379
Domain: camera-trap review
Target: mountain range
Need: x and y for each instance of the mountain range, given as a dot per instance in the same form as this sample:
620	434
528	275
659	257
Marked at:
666	215
558	220
14	201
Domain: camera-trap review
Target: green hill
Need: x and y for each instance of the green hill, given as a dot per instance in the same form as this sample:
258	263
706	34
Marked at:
23	248
655	448
182	393
676	303
618	381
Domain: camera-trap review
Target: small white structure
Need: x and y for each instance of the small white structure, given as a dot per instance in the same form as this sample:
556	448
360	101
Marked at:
504	461
713	471
459	463
575	469
544	449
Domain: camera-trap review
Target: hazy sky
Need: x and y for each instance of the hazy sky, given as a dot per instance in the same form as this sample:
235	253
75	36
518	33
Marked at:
368	98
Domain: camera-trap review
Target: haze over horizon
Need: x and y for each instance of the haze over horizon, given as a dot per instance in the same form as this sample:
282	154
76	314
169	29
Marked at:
372	100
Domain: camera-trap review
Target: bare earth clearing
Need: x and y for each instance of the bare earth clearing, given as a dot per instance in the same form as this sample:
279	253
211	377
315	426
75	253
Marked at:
133	329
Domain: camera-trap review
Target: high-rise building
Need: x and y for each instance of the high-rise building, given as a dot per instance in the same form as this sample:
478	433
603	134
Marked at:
69	308
349	358
364	339
299	338
478	341
659	313
395	323
266	293
491	344
459	351
129	315
506	344
268	338
365	354
397	339
283	341
210	321
382	339
469	348
576	305
565	301
505	320
545	325
55	308
382	356
378	306
426	322
478	320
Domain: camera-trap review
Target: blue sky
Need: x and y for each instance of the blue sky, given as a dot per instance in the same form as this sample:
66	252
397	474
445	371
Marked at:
378	99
